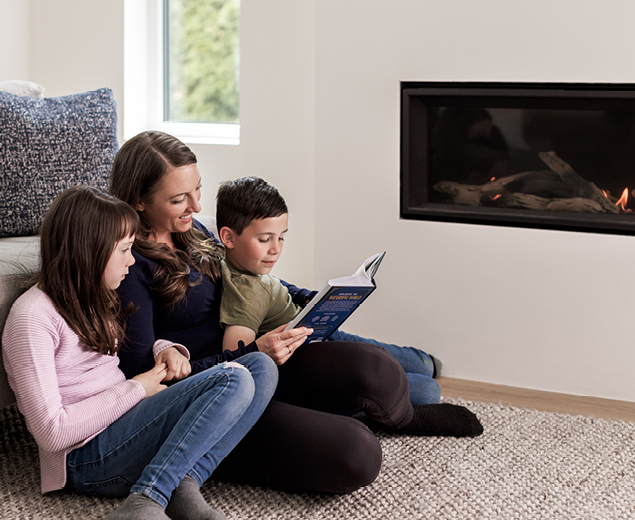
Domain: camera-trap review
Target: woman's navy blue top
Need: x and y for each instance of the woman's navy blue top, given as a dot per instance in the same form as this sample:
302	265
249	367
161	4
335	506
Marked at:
193	322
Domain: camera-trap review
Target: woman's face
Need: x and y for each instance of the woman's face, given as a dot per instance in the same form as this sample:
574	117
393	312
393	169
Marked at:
174	203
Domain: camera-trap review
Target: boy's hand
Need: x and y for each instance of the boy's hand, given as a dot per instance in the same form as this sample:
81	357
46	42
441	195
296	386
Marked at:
280	345
151	380
177	364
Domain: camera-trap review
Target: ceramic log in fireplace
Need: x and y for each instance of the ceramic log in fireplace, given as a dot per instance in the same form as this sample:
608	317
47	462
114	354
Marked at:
556	156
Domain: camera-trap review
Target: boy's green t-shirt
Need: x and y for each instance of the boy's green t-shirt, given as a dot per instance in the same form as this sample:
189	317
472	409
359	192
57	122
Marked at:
259	302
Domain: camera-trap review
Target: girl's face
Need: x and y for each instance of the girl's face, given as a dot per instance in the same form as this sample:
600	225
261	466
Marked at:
174	203
120	260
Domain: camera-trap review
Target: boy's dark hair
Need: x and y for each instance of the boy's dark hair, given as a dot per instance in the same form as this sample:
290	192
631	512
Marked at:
243	200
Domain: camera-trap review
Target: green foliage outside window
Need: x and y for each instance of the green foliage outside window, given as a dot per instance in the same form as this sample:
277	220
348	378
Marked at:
203	61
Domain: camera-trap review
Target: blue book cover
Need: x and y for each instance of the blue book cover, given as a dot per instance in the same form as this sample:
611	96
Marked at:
337	300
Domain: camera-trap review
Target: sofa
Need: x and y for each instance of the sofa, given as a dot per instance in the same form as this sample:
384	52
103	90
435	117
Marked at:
46	146
18	262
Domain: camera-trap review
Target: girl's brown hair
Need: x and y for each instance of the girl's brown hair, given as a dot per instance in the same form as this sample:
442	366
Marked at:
137	171
77	238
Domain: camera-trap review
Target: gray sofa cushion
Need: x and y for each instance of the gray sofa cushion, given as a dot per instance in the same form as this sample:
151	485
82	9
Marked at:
49	145
22	88
19	261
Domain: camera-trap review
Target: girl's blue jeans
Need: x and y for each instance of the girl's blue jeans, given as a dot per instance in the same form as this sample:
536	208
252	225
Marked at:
186	429
416	363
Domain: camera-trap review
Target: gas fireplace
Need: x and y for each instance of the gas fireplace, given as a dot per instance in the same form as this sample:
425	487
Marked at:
555	156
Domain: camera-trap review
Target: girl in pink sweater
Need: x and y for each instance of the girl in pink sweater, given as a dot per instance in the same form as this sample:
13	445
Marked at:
97	432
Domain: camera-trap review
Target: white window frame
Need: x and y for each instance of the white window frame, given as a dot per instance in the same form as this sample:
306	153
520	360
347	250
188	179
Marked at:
143	81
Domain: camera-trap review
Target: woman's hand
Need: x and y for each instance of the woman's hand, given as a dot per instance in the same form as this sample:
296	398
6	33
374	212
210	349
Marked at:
279	344
178	365
151	380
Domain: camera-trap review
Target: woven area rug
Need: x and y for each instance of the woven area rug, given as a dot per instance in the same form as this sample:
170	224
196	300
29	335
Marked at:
527	465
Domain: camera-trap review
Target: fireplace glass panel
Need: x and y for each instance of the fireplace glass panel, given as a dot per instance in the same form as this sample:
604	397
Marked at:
548	156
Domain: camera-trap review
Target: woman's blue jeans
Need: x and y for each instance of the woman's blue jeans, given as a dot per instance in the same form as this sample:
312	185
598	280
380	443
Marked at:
186	429
416	363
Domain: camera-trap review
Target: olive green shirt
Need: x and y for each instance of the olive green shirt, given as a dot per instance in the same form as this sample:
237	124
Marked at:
259	302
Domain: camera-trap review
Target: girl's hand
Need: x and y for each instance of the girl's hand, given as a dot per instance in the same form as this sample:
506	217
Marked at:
279	344
151	380
178	365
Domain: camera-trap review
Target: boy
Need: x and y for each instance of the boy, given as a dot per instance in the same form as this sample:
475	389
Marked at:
252	220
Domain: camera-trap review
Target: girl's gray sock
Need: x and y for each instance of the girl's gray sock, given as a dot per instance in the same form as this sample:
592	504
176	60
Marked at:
139	507
187	503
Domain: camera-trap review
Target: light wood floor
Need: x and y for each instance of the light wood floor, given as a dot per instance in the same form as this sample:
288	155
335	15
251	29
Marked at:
538	400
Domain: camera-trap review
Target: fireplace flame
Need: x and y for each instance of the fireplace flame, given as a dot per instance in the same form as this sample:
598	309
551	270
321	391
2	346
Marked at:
623	200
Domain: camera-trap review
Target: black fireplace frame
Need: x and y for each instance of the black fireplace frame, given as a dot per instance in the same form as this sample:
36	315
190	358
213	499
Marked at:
418	97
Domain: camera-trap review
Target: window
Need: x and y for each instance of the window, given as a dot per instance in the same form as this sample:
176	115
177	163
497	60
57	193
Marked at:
181	69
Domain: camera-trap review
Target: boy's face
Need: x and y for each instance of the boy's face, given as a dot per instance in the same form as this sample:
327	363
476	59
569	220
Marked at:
259	246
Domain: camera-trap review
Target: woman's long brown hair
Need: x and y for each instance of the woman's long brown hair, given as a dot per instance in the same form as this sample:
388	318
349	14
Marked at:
137	171
77	237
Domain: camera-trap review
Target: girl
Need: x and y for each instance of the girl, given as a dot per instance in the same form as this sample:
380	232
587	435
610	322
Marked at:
97	432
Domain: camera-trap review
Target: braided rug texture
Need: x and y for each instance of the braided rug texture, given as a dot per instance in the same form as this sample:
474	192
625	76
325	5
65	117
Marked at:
527	465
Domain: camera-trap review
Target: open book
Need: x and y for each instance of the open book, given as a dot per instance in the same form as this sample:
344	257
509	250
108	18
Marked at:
337	300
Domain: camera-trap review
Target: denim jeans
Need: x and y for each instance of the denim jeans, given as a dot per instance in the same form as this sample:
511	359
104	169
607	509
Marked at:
186	429
416	363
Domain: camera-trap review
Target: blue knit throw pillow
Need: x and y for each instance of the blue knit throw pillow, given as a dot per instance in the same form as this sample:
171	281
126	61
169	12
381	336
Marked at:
48	145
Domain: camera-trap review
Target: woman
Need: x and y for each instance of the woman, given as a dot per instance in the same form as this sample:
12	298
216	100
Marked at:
98	433
304	440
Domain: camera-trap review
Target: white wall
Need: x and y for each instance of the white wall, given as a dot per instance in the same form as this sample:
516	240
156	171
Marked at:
14	39
320	119
76	45
277	92
539	309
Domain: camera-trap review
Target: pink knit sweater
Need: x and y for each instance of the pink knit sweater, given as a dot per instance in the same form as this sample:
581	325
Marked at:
67	394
